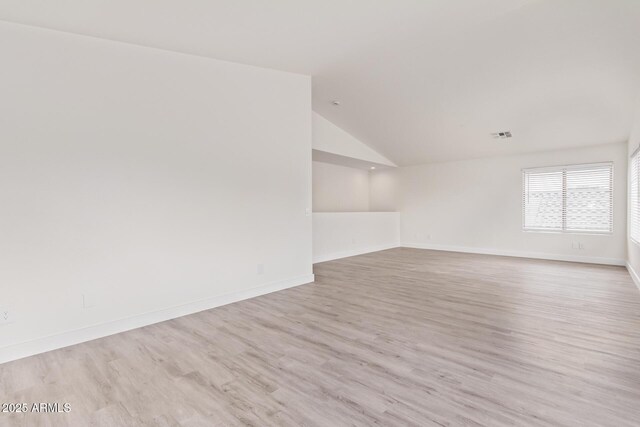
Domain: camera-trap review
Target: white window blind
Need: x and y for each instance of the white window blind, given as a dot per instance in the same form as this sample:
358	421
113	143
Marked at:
574	199
634	198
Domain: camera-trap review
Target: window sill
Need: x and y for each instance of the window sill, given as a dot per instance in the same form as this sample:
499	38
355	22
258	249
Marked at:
584	233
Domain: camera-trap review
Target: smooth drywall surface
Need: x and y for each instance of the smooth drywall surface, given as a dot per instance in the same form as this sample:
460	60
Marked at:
330	138
633	249
134	180
339	188
383	190
476	206
338	235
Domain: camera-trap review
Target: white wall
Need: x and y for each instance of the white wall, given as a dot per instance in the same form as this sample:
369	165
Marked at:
384	190
329	138
342	234
633	250
342	223
151	182
475	205
339	188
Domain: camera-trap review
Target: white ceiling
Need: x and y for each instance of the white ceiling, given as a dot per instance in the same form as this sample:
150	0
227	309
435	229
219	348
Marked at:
418	80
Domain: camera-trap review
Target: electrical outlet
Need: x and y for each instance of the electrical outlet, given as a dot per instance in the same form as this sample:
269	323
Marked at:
260	269
5	316
88	301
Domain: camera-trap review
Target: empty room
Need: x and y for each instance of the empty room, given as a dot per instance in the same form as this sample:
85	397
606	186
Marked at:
320	213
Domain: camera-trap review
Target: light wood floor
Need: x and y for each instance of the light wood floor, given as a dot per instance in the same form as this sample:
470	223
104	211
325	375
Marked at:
399	337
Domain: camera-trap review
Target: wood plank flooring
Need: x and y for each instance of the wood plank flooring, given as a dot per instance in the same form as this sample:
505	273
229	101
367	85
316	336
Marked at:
398	337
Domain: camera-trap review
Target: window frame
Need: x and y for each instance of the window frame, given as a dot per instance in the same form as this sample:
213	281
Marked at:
634	166
564	169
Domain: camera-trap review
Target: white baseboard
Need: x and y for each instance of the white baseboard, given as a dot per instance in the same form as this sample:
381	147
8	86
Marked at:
354	252
65	339
517	254
634	275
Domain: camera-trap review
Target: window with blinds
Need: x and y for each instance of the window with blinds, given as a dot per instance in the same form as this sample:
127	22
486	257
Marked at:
634	199
571	199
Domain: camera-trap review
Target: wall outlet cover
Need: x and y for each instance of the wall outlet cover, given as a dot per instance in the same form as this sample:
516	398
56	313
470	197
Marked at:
5	316
88	301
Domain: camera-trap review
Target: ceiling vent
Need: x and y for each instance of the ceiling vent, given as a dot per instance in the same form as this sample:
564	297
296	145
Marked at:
502	135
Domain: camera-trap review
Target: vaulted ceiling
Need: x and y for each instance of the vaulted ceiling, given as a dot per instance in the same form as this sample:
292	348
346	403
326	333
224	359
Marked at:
417	80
